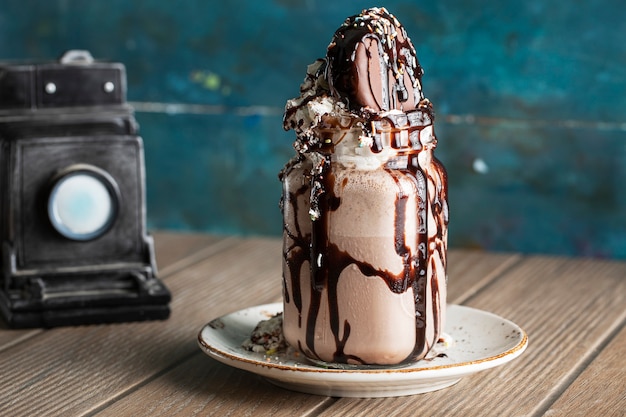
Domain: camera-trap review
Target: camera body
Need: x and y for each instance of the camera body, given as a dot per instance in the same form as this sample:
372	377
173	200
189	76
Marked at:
74	245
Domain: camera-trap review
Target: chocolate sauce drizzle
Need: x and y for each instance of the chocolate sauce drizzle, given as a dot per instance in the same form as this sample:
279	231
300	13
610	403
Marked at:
384	41
327	261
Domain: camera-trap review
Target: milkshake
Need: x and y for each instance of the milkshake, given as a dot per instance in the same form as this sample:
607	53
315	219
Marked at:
364	204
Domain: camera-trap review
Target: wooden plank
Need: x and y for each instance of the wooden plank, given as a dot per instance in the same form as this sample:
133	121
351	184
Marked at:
70	371
11	337
471	268
469	271
172	247
138	364
176	251
204	387
601	389
568	307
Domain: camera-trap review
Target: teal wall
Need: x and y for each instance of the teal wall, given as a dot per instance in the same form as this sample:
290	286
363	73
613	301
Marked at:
530	99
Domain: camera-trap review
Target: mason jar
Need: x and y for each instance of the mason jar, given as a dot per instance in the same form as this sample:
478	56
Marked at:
361	285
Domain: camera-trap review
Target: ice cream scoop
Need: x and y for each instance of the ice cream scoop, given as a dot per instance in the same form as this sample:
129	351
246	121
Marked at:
364	203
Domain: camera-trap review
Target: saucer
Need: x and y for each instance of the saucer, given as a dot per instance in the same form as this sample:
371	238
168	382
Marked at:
477	340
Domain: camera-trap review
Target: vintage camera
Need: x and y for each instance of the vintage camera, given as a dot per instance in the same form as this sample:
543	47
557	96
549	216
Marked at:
75	249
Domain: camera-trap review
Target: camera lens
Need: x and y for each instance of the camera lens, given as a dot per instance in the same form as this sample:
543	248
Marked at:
82	204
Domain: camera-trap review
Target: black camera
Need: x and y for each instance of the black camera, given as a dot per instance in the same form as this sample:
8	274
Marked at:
75	249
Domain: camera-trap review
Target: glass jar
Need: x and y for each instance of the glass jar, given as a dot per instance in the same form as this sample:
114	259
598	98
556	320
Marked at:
361	282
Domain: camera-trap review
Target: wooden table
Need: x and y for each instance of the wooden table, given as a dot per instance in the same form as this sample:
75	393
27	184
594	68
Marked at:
573	310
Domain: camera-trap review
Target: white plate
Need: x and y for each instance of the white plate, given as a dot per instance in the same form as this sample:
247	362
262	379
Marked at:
479	340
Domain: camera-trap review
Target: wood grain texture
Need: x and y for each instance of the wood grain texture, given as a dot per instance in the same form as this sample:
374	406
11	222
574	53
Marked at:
601	389
70	371
171	247
471	268
572	310
470	271
10	337
568	307
204	387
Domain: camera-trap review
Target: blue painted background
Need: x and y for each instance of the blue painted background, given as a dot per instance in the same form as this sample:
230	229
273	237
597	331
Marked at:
530	100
